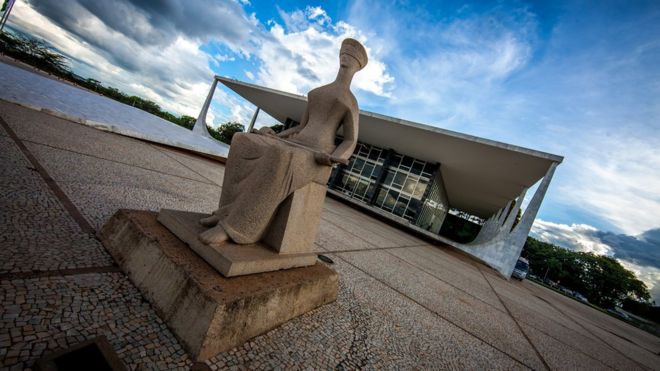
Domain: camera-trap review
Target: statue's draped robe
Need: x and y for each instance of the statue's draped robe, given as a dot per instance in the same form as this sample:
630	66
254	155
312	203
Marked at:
261	172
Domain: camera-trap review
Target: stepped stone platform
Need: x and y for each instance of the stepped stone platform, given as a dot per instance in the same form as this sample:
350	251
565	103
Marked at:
230	259
206	311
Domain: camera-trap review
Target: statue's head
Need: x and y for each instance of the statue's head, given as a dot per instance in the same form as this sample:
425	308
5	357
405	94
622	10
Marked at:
351	52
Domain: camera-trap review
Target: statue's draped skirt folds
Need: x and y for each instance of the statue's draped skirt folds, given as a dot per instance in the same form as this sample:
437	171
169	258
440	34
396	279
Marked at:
260	173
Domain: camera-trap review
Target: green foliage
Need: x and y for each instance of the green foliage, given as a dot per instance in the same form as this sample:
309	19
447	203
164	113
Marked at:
459	229
602	279
226	131
277	128
36	53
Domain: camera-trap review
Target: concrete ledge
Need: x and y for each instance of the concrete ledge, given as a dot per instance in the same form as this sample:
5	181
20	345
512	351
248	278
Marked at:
230	259
206	311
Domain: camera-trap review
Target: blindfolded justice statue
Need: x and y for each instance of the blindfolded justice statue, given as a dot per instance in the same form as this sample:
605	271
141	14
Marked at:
264	168
274	184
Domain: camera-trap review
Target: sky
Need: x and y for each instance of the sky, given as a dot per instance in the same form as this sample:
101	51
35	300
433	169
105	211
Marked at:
579	79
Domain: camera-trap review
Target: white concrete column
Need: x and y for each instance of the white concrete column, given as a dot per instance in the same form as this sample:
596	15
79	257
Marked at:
200	124
529	216
254	119
5	16
514	212
501	250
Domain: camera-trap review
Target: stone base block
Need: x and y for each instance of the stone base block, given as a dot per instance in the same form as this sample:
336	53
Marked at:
296	222
206	311
230	259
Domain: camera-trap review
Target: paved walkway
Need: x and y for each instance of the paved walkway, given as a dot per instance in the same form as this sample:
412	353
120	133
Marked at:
402	304
38	91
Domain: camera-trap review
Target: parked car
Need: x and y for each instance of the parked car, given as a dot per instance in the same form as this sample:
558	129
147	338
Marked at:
521	269
618	313
565	290
580	297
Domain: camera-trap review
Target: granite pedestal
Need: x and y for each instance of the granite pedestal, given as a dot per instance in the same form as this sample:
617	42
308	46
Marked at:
209	313
230	259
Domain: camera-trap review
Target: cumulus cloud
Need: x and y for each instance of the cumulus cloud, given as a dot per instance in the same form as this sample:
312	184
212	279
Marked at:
615	177
302	53
167	66
155	49
578	237
640	254
154	22
448	72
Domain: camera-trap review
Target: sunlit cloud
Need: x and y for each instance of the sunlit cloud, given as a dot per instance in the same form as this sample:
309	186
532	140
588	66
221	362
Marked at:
303	53
640	254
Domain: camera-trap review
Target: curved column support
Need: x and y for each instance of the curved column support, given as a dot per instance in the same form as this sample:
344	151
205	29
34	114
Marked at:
254	119
501	249
200	125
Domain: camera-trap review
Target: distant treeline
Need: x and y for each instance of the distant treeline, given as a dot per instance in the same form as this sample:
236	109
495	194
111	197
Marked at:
601	279
38	54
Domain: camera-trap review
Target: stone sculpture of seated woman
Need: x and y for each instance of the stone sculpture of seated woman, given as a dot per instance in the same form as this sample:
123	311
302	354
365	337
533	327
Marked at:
264	168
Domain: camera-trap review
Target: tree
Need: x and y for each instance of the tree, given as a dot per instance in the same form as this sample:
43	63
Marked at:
36	53
602	279
277	128
226	131
186	121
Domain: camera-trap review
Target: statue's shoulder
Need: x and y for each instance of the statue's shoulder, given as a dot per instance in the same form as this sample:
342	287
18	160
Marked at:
353	101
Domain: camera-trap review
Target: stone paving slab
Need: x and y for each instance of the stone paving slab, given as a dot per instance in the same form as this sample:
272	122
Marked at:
210	169
43	315
34	126
24	87
333	238
397	237
36	231
389	314
358	230
559	356
582	314
370	326
517	292
450	270
571	335
572	326
625	347
480	319
100	187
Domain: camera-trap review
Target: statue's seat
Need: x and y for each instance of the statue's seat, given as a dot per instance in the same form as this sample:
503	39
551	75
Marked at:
295	224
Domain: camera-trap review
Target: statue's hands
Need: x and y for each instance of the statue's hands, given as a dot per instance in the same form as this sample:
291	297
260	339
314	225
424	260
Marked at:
323	158
266	131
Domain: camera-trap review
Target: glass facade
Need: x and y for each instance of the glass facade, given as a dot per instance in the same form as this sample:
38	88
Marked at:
360	177
400	185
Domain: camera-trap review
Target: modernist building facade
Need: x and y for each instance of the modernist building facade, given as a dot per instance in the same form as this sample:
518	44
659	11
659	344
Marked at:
413	174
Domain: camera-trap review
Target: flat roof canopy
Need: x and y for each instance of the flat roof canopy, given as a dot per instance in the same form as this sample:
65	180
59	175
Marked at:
480	175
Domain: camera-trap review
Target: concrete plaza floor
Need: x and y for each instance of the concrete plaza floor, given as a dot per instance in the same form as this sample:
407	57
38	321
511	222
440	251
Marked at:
403	304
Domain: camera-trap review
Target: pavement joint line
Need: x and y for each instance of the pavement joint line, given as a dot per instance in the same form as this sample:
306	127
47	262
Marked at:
448	283
58	273
538	354
50	182
360	250
507	311
532	325
368	222
114	161
592	333
436	313
161	150
419	268
361	238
